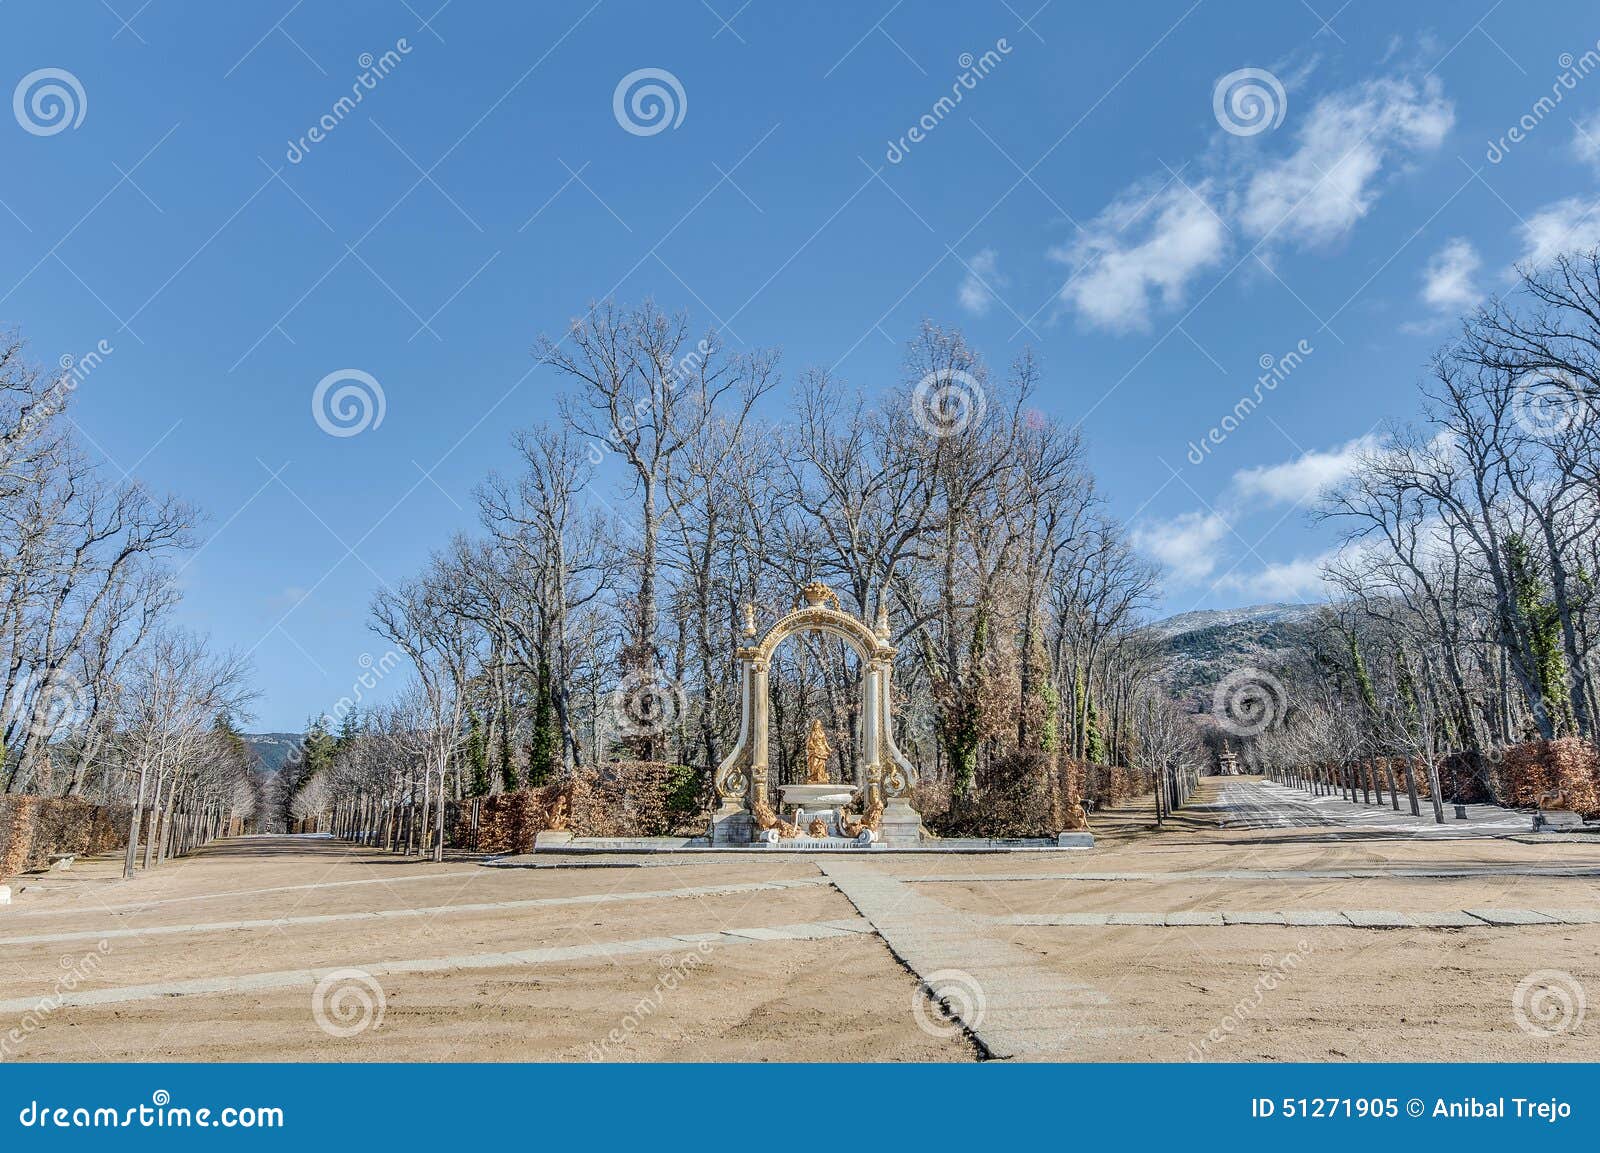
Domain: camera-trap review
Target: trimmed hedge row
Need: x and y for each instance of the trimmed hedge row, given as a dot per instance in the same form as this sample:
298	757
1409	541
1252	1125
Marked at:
34	828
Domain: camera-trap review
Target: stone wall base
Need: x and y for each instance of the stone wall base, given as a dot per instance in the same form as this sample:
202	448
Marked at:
731	825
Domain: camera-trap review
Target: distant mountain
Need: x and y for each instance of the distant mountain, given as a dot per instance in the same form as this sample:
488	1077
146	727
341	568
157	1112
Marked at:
272	750
1203	647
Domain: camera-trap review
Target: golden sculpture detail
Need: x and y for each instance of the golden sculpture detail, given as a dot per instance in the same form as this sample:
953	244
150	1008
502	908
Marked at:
559	813
818	827
816	594
817	752
749	619
872	819
767	819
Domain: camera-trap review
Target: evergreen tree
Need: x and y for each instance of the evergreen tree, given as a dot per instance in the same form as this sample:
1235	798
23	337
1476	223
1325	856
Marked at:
543	746
508	767
477	756
1537	607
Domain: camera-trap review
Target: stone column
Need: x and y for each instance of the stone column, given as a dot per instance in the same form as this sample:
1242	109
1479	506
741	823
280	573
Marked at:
871	759
757	688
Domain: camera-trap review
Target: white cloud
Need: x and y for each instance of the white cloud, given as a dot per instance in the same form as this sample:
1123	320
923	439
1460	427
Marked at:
1300	480
1140	246
1146	247
1295	579
1186	544
1447	281
1329	182
982	279
1586	139
1570	225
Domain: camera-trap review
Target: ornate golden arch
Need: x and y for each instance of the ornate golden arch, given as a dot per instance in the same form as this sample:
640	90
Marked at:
741	778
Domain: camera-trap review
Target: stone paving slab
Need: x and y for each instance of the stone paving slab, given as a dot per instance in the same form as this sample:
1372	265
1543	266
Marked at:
1009	1002
1253	918
307	978
430	911
1137	919
1379	919
1364	873
1057	919
1512	916
1197	917
1315	917
1573	916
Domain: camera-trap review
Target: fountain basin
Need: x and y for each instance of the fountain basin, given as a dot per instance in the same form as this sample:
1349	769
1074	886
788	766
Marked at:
824	796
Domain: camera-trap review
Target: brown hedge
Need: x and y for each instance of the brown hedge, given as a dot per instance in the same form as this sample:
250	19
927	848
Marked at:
32	829
617	799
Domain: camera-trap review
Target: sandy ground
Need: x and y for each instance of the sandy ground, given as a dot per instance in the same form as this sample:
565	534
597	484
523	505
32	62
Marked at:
810	980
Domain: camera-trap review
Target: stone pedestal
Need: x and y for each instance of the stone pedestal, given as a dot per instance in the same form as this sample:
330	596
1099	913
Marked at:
548	839
1556	819
731	825
901	827
1080	839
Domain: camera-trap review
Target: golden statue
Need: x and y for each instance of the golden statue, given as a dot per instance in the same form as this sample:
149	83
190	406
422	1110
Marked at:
817	752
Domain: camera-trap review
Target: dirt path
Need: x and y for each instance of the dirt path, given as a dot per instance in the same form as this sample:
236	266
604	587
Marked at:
1196	942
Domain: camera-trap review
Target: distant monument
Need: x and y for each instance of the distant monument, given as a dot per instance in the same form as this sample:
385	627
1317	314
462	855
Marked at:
1227	760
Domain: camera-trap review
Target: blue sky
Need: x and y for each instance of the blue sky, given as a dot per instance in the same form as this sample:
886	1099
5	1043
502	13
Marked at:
1091	195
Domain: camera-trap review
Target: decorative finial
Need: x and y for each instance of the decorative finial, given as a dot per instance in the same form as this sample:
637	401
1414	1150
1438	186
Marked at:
815	594
749	619
882	625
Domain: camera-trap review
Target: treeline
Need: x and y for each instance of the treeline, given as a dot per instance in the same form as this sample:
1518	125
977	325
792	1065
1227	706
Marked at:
594	613
1465	613
102	695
